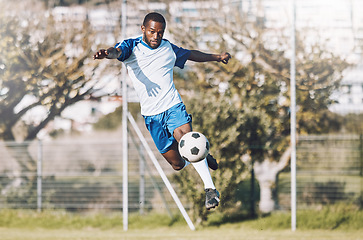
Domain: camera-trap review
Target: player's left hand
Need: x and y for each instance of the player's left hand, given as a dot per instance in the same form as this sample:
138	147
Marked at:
224	57
101	54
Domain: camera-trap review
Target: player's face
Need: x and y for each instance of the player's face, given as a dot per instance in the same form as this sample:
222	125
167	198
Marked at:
153	33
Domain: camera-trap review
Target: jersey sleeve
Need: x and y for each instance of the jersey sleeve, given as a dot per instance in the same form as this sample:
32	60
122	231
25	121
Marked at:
126	47
182	55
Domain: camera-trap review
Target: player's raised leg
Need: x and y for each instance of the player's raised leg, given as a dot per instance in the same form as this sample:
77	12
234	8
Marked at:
178	163
174	159
180	132
212	162
212	195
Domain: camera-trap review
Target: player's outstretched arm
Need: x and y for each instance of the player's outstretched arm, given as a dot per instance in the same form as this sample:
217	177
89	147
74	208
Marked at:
110	53
198	56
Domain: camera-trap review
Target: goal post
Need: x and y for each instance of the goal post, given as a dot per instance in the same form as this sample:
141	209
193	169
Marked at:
160	171
293	116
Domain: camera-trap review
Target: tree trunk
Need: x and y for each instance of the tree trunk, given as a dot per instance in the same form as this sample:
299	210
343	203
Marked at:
26	174
266	174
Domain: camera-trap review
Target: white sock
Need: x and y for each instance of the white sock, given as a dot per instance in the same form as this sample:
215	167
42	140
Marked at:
203	171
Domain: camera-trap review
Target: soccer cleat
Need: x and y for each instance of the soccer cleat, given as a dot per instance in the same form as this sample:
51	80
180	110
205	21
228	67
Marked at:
212	162
211	198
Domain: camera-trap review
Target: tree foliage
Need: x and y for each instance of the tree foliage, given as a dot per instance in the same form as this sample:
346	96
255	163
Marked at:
250	114
113	120
353	123
45	65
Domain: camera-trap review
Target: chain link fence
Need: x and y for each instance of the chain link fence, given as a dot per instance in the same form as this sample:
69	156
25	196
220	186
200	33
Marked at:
329	171
79	174
83	174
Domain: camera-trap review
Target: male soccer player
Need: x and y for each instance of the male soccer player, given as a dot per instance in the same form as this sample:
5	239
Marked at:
150	60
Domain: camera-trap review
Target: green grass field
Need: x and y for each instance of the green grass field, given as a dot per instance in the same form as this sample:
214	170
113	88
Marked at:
225	232
341	223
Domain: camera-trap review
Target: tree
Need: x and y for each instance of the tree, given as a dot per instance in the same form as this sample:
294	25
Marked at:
248	120
353	123
43	66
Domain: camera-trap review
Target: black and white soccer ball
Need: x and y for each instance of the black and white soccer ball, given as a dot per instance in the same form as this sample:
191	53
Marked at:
193	147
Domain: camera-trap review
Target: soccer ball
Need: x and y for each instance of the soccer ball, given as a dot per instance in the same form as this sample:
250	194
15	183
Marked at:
193	147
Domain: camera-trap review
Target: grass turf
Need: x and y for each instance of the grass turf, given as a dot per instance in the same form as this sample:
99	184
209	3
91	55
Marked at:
227	232
337	222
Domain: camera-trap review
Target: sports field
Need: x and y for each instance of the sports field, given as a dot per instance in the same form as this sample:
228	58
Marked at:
340	223
227	232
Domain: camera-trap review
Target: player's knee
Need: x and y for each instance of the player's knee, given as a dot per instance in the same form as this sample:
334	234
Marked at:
177	167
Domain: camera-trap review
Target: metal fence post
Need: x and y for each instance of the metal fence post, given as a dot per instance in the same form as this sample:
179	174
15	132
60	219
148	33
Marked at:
39	175
125	189
361	168
293	116
142	181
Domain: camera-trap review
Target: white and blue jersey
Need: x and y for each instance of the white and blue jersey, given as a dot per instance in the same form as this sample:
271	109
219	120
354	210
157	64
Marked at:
151	71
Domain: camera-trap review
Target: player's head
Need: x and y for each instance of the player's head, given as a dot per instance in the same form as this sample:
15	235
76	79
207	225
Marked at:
153	29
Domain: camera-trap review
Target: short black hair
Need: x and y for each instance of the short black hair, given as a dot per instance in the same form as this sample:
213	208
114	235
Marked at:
154	16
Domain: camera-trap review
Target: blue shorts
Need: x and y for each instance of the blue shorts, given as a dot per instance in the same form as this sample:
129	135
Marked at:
162	126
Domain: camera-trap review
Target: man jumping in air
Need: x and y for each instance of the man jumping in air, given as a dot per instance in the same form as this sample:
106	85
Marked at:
150	60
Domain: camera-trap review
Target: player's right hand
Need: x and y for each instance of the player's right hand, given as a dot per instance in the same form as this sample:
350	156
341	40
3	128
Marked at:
101	54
